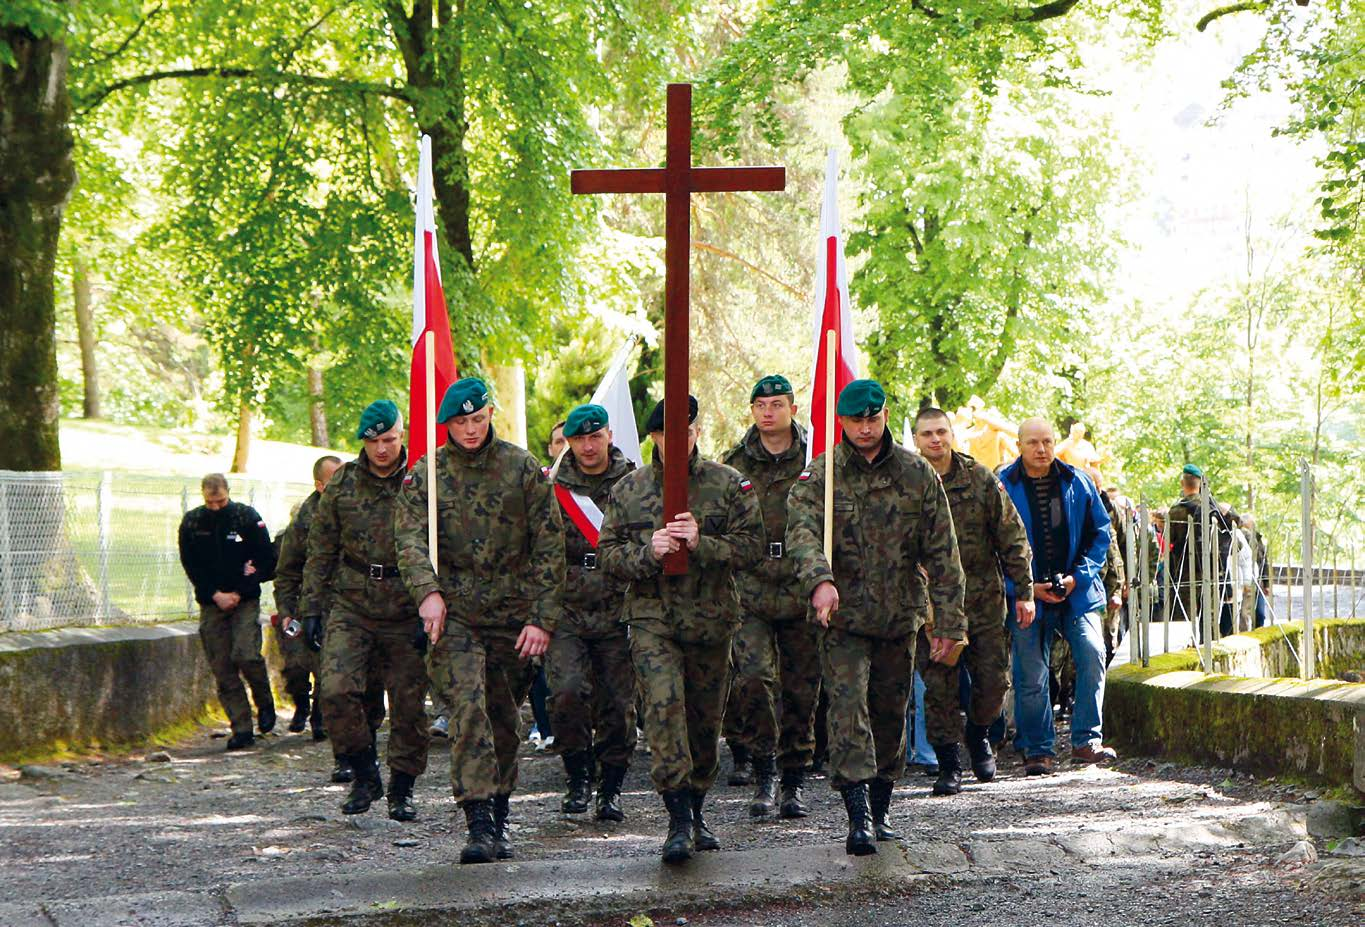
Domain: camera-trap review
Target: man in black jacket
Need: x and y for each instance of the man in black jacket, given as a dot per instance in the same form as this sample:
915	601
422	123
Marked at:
226	552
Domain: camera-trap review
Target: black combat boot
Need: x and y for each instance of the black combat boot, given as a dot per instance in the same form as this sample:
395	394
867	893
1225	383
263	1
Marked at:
368	786
400	796
265	717
983	757
301	708
315	721
702	838
765	787
879	796
343	771
678	844
740	775
480	846
609	793
579	795
241	741
502	842
792	804
859	842
949	781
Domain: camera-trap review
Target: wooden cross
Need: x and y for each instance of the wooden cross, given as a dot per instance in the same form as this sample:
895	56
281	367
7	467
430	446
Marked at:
677	180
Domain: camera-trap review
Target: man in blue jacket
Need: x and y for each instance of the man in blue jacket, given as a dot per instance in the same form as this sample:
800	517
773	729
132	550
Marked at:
1068	530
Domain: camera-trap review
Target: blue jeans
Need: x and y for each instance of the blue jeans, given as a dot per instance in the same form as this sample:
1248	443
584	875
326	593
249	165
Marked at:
1261	616
917	748
1030	650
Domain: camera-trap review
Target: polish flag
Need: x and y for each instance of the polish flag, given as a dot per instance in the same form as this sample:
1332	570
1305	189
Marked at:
428	314
832	312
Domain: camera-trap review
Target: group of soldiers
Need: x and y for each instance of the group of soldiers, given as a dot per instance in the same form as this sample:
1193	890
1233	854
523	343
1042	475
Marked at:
566	564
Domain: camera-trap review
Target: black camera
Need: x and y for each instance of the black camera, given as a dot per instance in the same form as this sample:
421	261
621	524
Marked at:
1058	587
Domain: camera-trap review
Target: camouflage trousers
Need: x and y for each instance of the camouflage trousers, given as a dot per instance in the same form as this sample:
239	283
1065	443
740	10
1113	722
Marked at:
479	677
987	659
232	645
592	695
869	681
300	666
353	649
774	688
682	689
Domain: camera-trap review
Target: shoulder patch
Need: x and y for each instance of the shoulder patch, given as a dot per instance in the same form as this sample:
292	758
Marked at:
260	524
805	475
745	485
410	478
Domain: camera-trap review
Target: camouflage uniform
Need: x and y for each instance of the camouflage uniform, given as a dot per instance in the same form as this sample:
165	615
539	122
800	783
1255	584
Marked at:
501	550
681	626
776	652
891	518
352	578
1114	577
1183	529
592	681
990	539
300	662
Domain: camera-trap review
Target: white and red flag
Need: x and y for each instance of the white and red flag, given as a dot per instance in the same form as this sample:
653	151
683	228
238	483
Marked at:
428	315
832	312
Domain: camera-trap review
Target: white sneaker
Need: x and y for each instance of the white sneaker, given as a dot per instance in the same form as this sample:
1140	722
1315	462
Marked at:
545	744
533	738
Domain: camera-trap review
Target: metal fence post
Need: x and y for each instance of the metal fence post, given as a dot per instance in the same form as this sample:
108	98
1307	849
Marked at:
1144	589
1206	576
1306	496
103	519
1167	613
8	612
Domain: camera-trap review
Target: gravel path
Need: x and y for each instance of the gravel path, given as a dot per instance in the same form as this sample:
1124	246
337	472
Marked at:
194	818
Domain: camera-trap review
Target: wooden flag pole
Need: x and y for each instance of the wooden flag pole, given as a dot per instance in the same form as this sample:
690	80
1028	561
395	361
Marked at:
831	359
429	349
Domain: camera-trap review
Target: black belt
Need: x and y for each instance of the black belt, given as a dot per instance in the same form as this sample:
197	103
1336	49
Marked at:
775	550
372	570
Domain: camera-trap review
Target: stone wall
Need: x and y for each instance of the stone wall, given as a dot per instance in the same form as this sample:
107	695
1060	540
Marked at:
1274	651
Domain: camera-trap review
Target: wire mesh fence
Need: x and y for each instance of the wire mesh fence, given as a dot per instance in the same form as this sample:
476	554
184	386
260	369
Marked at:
94	548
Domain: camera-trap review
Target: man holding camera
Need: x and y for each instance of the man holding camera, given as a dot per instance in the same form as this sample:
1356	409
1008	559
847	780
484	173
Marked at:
1068	531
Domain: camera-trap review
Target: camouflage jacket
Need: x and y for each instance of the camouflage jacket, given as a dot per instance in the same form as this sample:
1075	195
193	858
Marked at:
499	535
702	605
1183	530
891	518
351	555
293	555
770	591
1114	570
592	599
991	540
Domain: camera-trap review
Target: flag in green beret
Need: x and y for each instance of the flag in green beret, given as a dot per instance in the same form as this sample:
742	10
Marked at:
378	417
1192	470
861	398
771	385
465	397
584	420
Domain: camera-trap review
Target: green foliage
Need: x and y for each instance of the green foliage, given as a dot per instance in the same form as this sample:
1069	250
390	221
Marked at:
40	18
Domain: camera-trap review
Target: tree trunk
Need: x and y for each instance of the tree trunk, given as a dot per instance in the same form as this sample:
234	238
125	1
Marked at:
509	390
317	409
243	449
85	330
36	177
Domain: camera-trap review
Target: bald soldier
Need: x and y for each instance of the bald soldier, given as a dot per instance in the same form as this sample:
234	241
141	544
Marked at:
891	521
592	681
992	544
776	652
351	581
491	603
681	625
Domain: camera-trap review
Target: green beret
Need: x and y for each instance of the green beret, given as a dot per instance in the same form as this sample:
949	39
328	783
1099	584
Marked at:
1192	470
584	420
464	397
861	398
771	385
656	417
378	417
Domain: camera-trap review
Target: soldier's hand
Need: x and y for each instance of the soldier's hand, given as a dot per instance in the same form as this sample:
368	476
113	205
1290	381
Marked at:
940	647
684	528
312	633
663	543
532	642
825	601
1024	613
249	569
227	601
433	614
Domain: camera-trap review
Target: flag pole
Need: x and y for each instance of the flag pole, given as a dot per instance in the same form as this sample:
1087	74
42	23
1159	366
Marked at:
429	349
831	360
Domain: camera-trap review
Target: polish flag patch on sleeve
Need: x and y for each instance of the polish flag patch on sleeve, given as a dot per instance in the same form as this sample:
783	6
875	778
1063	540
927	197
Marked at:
409	479
745	485
805	475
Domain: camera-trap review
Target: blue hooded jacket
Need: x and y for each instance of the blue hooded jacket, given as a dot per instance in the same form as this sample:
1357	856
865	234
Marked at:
1087	532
